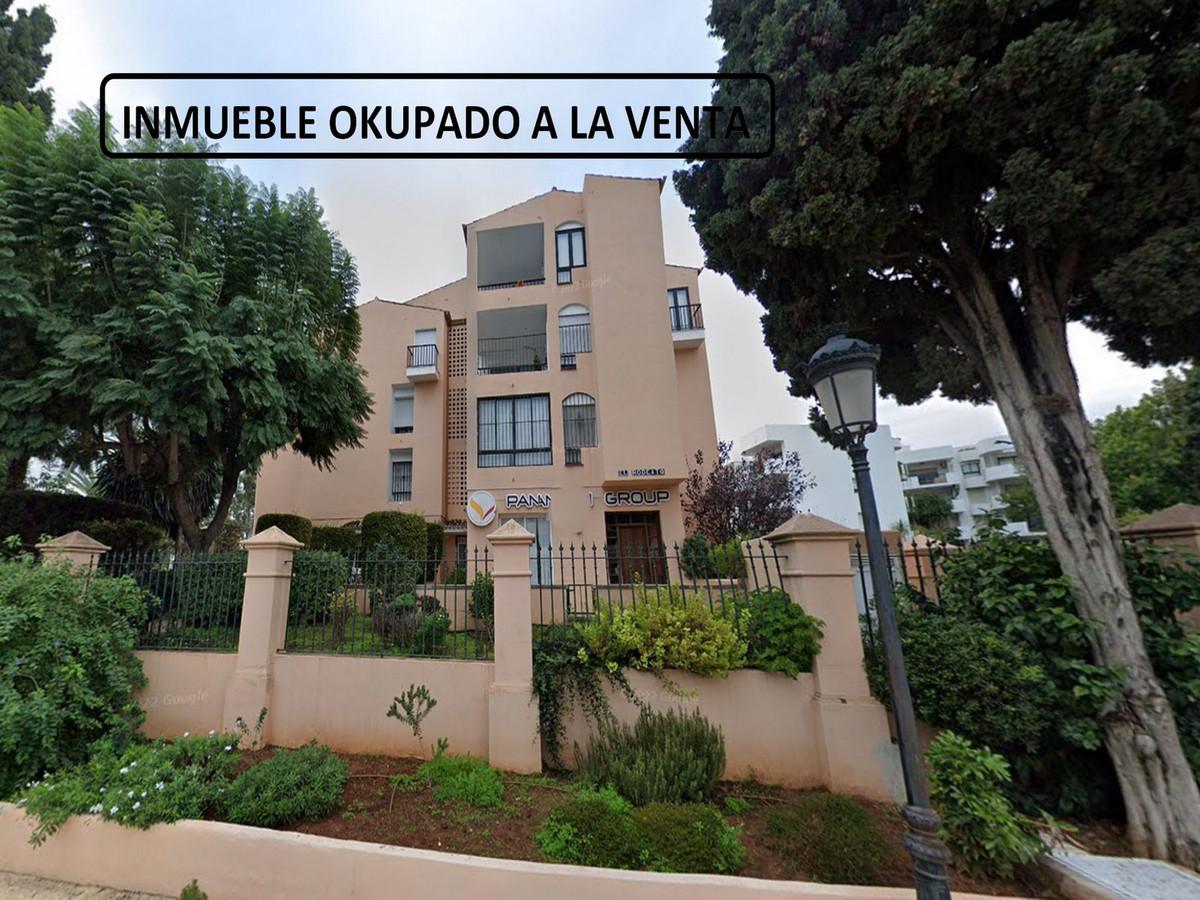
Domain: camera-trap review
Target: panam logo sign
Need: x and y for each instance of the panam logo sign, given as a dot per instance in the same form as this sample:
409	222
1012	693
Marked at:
481	508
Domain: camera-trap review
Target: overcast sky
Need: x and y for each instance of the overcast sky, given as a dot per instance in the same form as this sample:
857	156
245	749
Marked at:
401	218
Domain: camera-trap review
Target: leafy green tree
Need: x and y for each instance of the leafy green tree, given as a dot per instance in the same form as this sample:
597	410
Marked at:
958	181
933	513
23	59
173	320
1020	505
1151	450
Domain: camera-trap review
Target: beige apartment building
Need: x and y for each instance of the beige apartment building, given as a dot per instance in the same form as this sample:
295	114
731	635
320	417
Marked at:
563	382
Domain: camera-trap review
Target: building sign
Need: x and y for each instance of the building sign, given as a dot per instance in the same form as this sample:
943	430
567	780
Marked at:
481	508
636	498
526	501
641	473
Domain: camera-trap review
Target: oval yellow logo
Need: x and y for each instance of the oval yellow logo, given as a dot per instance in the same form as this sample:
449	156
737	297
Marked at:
481	508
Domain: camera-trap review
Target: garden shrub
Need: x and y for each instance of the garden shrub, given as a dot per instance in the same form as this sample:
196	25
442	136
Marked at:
594	828
965	676
290	524
69	673
565	673
690	837
127	535
978	822
318	577
435	541
399	532
700	559
191	891
139	785
291	786
780	636
483	599
671	757
336	539
668	628
464	779
830	838
208	589
418	623
32	514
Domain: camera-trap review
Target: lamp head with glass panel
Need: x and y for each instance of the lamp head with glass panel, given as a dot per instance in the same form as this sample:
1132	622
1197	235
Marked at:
842	372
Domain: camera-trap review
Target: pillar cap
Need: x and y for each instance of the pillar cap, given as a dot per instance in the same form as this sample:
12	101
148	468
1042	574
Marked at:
511	532
806	525
274	538
74	540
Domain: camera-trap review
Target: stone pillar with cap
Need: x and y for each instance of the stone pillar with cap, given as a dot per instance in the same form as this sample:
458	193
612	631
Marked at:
857	755
75	548
513	741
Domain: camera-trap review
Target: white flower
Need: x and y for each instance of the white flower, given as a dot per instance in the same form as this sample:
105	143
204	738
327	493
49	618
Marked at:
124	770
160	785
113	811
102	790
211	733
137	805
132	764
97	809
228	747
187	734
143	793
22	801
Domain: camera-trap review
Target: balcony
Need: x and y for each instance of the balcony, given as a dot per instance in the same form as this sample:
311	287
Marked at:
1004	472
517	353
687	326
919	480
422	362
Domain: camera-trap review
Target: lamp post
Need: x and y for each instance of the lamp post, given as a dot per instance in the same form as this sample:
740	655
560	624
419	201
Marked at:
842	373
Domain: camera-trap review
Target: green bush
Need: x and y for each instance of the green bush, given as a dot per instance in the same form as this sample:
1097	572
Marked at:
318	577
780	636
291	786
139	785
398	532
69	673
483	598
978	822
668	628
208	589
191	891
435	542
700	559
462	779
830	838
335	538
127	535
594	828
290	524
32	514
690	837
670	757
965	676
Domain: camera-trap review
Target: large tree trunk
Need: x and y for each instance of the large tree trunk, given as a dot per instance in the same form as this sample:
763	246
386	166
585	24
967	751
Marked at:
1024	360
16	472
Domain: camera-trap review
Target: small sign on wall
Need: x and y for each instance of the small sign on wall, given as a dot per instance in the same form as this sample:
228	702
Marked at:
526	501
636	498
481	508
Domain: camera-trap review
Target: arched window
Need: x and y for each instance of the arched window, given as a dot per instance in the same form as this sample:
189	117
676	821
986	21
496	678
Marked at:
579	421
574	330
570	251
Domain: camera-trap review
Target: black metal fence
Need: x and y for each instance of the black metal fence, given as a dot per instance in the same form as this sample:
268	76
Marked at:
194	600
422	356
577	583
517	353
384	603
686	317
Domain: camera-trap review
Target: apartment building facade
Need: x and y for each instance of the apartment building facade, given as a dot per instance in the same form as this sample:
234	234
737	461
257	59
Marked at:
834	493
973	477
563	382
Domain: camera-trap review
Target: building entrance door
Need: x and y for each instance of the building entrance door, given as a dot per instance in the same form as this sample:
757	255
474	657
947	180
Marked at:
635	548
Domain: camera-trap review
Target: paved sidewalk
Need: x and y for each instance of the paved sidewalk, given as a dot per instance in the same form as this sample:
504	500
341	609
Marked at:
25	887
1087	877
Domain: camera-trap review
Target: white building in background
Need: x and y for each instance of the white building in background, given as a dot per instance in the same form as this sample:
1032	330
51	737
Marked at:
835	495
972	477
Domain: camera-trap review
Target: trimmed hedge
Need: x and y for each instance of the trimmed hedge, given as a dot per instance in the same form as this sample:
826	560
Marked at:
336	538
404	533
296	526
126	535
31	514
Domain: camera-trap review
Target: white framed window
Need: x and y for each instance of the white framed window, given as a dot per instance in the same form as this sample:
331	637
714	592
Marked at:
579	421
402	408
570	249
400	476
970	467
574	330
514	431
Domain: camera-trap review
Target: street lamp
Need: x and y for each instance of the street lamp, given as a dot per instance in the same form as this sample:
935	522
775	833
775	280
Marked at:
842	372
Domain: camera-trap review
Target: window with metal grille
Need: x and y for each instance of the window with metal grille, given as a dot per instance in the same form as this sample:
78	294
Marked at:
579	421
682	314
570	250
514	431
401	477
574	330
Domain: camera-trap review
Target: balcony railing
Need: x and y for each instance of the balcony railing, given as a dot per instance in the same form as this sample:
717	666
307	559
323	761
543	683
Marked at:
501	285
686	318
518	353
422	356
574	456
